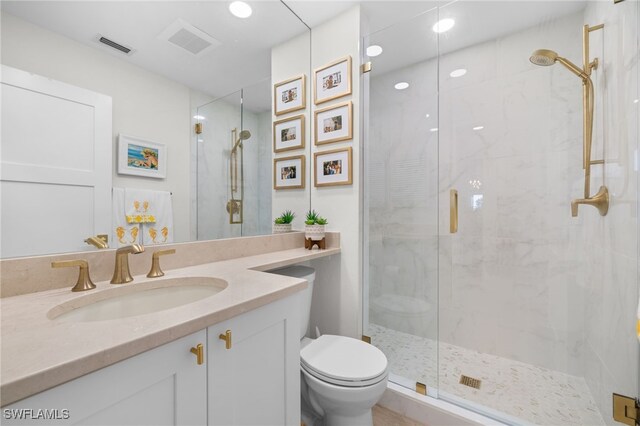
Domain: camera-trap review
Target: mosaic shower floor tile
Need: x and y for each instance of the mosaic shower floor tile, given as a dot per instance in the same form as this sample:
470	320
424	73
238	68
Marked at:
534	394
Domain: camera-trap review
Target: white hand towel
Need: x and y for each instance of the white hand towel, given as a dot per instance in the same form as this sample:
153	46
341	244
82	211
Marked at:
160	232
123	233
139	205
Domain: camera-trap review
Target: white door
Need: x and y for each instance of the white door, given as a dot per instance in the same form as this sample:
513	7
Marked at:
55	154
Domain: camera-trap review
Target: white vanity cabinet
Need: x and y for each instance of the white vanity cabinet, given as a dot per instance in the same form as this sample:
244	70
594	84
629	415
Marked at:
163	386
255	380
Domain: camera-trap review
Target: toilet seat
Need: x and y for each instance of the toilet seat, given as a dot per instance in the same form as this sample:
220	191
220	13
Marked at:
344	361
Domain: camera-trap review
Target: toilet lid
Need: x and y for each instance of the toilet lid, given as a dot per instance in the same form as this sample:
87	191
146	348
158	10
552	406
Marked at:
343	360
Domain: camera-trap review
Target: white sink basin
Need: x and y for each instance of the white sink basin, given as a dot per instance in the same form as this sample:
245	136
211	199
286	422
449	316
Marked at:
135	299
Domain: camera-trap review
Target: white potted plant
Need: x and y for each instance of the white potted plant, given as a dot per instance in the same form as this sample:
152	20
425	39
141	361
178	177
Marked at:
283	223
314	226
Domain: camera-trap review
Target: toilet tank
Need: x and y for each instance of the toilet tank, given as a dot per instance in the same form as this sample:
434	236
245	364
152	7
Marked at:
308	274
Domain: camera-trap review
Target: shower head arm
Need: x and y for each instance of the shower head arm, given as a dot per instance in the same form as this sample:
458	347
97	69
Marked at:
573	68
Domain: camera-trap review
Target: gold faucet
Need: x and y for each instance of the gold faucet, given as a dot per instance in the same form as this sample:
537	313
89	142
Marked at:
121	273
84	280
100	241
156	271
599	201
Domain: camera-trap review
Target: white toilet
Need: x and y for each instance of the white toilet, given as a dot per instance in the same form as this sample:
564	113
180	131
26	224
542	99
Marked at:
342	378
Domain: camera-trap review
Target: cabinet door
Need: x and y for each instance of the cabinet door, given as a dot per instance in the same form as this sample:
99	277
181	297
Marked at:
163	386
257	380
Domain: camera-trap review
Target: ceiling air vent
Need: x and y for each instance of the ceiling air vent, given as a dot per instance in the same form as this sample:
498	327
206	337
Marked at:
124	49
189	38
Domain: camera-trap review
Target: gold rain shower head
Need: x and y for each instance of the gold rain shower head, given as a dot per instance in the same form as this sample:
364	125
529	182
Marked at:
543	57
546	57
244	135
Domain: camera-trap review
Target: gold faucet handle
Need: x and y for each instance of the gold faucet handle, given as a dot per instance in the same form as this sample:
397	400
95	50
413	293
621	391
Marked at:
84	279
156	271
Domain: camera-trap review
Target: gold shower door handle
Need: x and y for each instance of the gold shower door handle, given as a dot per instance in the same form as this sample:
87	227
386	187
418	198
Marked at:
453	211
198	351
227	339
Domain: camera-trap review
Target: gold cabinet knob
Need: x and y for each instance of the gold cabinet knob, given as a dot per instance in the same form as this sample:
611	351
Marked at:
198	351
155	263
84	280
227	339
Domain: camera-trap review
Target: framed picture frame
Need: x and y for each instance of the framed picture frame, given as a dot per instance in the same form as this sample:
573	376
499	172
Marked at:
334	123
288	172
139	157
332	81
288	134
289	95
333	168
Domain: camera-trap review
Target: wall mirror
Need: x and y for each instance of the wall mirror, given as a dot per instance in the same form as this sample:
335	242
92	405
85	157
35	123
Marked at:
165	68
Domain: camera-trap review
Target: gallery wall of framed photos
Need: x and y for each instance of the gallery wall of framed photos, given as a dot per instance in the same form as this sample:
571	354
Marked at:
332	123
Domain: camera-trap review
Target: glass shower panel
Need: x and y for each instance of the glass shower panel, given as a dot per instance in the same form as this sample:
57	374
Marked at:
401	170
257	161
215	168
536	306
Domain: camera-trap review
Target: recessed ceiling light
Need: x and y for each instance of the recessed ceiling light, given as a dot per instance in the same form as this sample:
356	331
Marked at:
427	116
458	73
478	128
443	25
374	50
402	85
636	101
240	9
435	129
200	140
199	117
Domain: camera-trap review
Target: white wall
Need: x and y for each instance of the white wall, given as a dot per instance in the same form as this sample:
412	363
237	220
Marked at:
288	60
145	105
338	293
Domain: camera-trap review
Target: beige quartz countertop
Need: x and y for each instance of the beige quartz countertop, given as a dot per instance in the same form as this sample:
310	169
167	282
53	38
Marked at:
39	353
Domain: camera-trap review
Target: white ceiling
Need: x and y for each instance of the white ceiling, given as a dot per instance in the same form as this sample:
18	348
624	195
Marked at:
244	57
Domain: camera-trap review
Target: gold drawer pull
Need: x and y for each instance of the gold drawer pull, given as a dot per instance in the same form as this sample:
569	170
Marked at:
227	339
198	351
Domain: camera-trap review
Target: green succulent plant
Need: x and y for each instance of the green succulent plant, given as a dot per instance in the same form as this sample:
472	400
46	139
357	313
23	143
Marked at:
286	217
313	218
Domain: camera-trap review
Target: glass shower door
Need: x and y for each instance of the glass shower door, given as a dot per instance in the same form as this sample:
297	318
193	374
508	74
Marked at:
401	170
537	308
217	184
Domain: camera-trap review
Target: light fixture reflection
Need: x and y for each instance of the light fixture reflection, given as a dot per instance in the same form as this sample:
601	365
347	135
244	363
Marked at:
458	73
199	117
435	129
443	25
402	85
478	128
374	50
427	116
240	9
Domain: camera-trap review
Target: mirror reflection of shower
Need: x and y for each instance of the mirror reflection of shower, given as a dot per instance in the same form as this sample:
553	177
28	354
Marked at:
236	186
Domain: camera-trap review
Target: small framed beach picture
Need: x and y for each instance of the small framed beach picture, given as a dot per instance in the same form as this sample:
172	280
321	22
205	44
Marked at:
334	124
288	134
288	172
140	157
289	95
333	167
332	81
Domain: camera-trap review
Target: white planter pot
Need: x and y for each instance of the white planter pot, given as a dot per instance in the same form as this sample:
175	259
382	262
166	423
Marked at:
280	228
314	232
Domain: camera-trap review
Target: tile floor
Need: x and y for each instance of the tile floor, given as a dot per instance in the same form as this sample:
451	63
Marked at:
533	394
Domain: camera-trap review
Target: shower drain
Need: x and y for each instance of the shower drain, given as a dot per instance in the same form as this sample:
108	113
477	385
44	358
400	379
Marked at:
470	381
